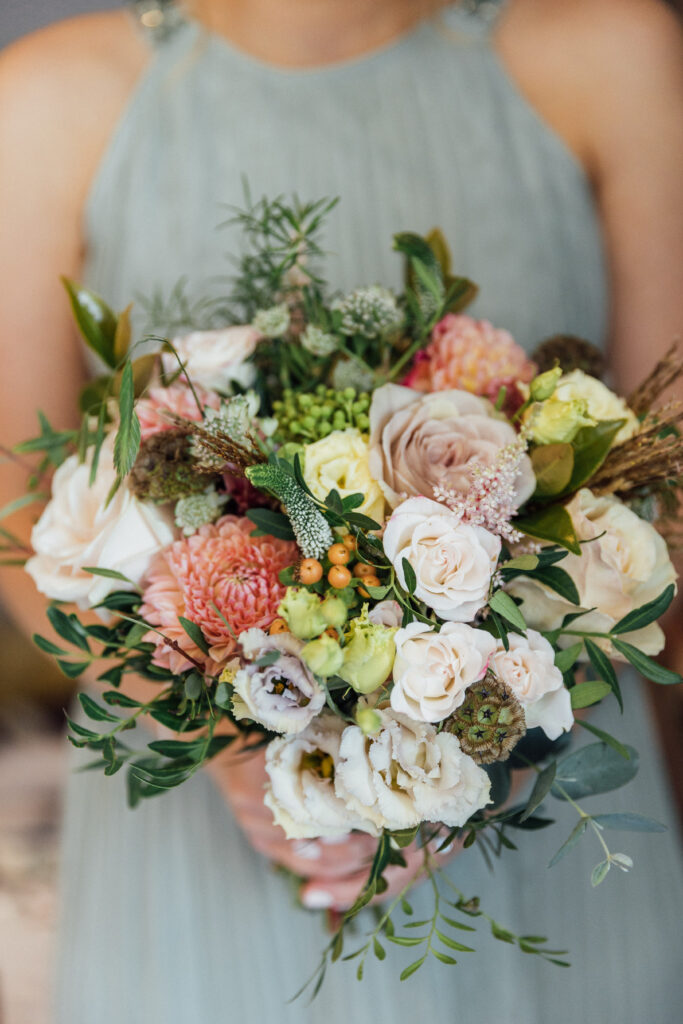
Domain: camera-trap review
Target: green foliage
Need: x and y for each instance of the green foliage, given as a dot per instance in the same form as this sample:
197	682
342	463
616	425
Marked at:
552	524
127	442
596	768
96	321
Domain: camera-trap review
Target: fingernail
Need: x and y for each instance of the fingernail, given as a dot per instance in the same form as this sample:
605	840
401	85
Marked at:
307	849
332	840
317	899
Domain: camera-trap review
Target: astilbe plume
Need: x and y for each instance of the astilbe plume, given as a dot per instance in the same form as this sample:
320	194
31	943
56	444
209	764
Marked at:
490	501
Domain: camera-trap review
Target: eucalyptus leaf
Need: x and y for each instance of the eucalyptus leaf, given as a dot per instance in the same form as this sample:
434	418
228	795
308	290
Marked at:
597	768
628	822
541	789
599	873
606	737
576	833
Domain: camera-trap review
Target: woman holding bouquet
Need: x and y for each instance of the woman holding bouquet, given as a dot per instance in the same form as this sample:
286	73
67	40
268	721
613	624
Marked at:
547	144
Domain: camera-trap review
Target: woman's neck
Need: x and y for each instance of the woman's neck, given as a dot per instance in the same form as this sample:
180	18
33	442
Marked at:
300	33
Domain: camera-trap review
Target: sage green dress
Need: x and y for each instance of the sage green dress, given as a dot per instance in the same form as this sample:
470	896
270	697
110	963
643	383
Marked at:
168	916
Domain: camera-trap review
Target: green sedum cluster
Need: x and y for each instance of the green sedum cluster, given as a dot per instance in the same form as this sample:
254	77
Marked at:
309	417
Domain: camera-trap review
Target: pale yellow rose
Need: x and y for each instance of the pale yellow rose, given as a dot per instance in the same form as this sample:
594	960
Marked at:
340	462
601	403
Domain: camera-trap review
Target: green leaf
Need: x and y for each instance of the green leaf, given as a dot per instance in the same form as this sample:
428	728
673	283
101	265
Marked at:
597	768
647	666
362	522
194	684
94	711
443	957
628	822
647	613
407	971
223	696
502	934
586	694
604	669
127	443
119	699
405	836
503	604
109	574
452	944
22	502
96	321
379	949
576	833
553	465
46	645
599	873
73	669
551	524
409	575
352	501
195	634
541	789
377	593
68	627
591	446
269	658
523	563
606	737
406	940
270	524
566	659
560	581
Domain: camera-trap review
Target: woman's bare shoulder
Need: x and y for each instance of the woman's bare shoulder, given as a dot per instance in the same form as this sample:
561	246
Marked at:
63	88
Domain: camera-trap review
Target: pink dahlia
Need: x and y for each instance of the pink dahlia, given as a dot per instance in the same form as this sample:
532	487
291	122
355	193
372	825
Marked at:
221	565
469	355
177	398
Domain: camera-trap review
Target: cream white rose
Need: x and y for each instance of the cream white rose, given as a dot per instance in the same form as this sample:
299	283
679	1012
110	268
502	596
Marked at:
340	462
78	528
625	565
283	696
601	403
432	670
453	561
528	669
216	359
408	773
301	789
419	442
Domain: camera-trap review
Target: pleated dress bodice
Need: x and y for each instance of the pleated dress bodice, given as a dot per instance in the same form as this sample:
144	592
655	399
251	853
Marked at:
428	131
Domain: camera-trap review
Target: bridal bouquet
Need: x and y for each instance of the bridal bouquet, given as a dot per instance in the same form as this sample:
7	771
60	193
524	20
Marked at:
365	533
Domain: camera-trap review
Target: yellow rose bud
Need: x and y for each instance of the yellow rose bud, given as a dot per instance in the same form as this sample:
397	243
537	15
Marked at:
544	385
301	610
340	462
368	654
323	656
558	422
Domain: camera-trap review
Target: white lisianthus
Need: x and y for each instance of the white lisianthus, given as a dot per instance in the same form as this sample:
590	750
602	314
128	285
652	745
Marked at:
78	528
432	670
340	461
386	613
408	773
528	669
301	790
601	403
453	561
216	359
283	696
625	565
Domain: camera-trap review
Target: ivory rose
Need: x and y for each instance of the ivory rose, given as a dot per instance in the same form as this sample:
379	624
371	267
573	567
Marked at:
301	790
453	561
216	359
340	462
408	773
601	403
432	670
78	528
283	696
625	565
418	442
528	669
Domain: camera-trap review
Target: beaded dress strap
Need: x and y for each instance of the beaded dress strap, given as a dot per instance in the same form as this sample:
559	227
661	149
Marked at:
158	19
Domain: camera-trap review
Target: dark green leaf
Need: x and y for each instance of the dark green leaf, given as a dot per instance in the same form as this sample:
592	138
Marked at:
195	634
452	944
591	446
409	575
501	933
94	711
503	604
611	741
604	669
73	669
596	768
560	581
379	950
68	627
46	645
352	501
361	521
566	659
552	524
553	465
271	524
119	699
647	613
541	789
96	321
645	665
404	837
194	684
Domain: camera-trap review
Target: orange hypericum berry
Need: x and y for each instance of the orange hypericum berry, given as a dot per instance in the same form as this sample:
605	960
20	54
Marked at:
361	570
338	554
278	626
368	581
331	631
350	542
310	570
339	577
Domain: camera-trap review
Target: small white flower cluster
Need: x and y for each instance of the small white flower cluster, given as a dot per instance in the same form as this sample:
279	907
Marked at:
369	312
318	342
273	322
198	509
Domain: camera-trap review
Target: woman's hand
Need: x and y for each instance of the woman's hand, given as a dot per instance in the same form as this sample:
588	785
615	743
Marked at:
334	870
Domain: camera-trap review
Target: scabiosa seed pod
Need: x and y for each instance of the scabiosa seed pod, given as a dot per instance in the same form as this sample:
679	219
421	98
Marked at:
369	312
164	469
490	721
